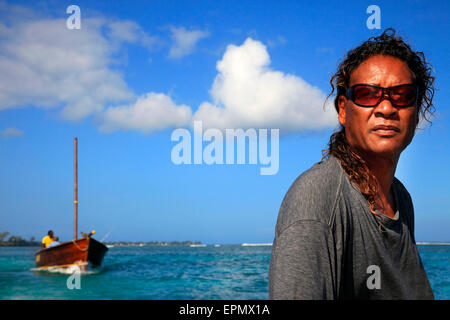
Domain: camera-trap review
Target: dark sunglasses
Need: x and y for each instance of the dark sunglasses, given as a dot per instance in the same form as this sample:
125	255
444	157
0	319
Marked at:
368	95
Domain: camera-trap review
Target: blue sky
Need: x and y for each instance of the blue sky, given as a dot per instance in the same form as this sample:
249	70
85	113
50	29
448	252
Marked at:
134	72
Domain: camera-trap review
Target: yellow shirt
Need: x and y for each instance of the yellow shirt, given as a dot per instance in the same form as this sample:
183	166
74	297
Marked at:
47	240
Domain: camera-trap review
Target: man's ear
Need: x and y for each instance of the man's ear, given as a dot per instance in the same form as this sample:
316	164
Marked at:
342	102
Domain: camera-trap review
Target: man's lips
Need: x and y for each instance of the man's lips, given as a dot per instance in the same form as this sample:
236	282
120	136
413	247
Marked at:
385	130
385	127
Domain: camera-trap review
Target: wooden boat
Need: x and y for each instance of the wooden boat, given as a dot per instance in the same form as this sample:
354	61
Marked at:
76	252
79	252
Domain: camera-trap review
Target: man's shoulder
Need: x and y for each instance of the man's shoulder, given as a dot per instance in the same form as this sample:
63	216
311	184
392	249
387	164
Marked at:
400	187
321	178
402	195
322	170
313	194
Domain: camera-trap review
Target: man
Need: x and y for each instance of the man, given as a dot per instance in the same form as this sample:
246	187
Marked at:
48	239
54	243
345	229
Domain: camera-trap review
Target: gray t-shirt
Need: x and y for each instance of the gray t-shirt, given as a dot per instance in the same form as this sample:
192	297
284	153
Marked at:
328	244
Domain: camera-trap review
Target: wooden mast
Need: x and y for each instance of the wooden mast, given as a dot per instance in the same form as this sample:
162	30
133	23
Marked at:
75	192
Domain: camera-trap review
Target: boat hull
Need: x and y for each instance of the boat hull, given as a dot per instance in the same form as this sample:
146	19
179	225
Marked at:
81	252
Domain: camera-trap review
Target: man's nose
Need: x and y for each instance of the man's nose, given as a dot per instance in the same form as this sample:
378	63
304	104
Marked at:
385	108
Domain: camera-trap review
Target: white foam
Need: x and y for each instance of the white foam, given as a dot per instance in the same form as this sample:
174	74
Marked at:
256	244
71	269
433	243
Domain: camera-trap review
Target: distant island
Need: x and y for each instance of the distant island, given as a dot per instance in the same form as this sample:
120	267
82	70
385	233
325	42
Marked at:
152	243
17	241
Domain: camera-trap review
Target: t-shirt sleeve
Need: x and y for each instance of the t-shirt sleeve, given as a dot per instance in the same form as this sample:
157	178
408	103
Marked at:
303	262
301	266
406	204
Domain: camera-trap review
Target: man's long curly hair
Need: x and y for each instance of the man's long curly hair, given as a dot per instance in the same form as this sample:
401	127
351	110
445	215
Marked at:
390	45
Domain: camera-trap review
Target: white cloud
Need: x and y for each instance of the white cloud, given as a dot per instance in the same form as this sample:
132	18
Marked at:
130	32
247	93
46	65
279	40
184	41
150	112
11	132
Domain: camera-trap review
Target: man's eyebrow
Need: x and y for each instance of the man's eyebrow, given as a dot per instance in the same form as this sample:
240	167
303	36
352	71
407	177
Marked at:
378	84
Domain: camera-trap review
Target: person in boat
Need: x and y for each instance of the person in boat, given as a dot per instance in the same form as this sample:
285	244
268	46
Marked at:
345	228
49	239
55	242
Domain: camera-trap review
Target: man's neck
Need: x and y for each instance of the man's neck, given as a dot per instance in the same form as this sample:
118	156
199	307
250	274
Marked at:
383	168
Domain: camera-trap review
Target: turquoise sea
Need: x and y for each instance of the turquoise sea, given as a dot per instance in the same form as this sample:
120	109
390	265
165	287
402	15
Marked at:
173	272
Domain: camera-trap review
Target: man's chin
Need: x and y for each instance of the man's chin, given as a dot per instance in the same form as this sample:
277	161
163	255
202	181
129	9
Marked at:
384	151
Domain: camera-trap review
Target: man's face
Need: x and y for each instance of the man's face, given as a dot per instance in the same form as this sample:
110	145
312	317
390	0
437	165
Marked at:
361	122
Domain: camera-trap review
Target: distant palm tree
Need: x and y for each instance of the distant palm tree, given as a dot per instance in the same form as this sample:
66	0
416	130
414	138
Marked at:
3	235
